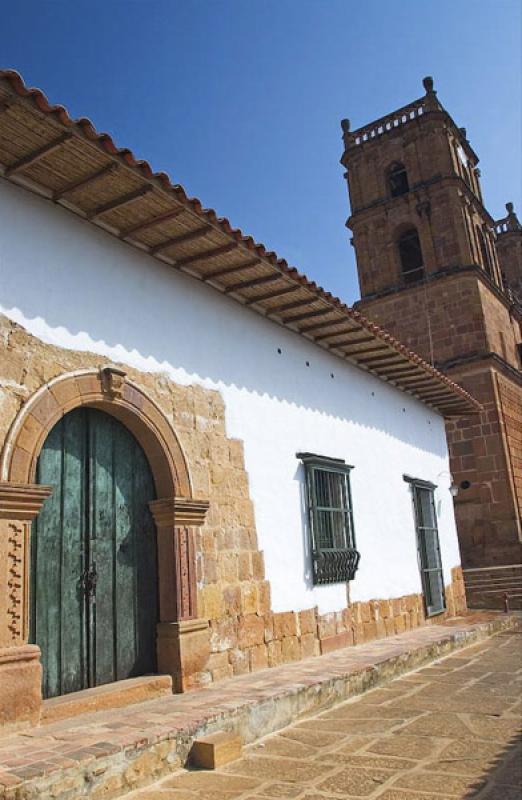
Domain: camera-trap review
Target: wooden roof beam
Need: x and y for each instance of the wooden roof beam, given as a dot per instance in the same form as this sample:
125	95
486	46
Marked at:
7	103
432	395
151	223
221	273
326	323
85	181
120	202
349	331
403	371
289	306
368	351
191	236
37	155
235	287
207	254
384	358
350	341
270	295
418	380
306	315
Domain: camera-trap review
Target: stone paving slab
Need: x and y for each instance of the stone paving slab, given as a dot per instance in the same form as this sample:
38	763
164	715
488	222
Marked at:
107	753
422	754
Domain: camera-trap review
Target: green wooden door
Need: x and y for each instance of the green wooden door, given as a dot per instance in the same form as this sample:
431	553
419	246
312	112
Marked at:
93	556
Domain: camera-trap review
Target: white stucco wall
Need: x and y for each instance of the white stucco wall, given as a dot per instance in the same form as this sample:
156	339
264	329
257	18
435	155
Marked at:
77	287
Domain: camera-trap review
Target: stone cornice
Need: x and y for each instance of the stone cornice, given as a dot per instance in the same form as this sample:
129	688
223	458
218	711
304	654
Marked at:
179	511
446	272
22	500
478	358
389	202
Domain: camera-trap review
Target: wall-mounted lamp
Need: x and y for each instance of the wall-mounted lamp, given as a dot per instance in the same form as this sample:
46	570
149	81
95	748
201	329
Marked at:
454	487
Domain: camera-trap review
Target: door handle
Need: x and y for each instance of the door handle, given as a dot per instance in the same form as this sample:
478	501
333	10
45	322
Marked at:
88	580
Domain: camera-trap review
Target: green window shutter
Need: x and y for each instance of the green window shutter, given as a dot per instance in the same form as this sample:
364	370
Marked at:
428	546
330	517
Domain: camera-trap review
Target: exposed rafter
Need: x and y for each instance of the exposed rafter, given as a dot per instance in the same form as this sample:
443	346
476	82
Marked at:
254	282
325	323
207	254
119	202
221	273
261	298
85	181
191	236
37	155
384	358
306	315
351	330
151	223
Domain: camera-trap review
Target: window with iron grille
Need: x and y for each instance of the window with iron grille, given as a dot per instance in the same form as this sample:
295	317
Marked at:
428	546
330	519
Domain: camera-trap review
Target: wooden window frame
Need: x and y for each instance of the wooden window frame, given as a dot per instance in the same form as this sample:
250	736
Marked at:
417	485
334	564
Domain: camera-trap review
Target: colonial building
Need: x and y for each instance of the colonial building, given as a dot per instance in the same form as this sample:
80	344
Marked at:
209	465
438	272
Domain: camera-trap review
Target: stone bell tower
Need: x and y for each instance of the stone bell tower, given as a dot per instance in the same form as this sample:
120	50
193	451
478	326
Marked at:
430	261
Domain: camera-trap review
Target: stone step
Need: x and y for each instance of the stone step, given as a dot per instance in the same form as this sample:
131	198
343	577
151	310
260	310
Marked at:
103	698
108	753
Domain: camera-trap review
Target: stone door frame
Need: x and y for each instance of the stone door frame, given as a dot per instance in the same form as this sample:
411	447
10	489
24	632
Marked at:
182	641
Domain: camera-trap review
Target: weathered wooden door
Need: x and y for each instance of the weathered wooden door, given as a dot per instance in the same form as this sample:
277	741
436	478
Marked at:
93	556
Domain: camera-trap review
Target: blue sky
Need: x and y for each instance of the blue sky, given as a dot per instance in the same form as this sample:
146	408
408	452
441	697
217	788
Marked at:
241	101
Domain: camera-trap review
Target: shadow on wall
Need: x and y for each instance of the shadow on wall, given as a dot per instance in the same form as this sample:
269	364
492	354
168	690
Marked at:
78	287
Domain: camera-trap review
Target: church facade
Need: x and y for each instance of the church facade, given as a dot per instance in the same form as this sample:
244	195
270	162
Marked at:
445	278
208	464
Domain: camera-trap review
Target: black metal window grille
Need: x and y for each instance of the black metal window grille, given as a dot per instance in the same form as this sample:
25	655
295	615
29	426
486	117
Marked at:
332	537
410	255
428	546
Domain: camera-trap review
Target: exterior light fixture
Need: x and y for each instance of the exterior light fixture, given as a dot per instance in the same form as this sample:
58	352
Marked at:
454	487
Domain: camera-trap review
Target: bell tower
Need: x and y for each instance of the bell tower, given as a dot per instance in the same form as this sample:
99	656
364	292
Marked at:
430	261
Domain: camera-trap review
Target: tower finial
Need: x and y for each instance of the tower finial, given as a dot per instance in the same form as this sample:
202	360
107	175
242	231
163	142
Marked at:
509	208
347	136
427	82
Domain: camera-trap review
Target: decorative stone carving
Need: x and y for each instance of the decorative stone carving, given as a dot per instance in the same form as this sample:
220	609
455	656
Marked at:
15	546
113	381
175	518
19	504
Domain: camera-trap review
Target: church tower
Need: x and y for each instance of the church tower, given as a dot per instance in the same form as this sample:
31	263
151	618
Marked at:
440	274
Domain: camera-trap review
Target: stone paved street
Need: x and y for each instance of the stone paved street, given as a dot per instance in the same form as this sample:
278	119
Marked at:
449	730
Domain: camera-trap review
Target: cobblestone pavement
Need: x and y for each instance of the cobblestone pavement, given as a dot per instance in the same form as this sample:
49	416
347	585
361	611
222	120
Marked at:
449	730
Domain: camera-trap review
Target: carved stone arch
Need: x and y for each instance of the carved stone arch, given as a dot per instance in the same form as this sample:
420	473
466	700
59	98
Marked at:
109	390
183	639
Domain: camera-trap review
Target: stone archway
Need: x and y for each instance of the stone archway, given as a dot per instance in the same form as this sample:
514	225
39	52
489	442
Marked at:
176	514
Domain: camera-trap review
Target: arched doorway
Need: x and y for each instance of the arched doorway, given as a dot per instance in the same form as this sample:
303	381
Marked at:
182	638
93	574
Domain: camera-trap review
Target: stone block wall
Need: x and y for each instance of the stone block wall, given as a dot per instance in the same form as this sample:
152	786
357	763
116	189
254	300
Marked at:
233	593
486	450
247	642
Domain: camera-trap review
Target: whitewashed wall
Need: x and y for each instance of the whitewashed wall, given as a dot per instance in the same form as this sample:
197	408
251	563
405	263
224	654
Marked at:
77	287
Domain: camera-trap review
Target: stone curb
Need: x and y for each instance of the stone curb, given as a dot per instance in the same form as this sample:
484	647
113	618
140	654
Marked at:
142	762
